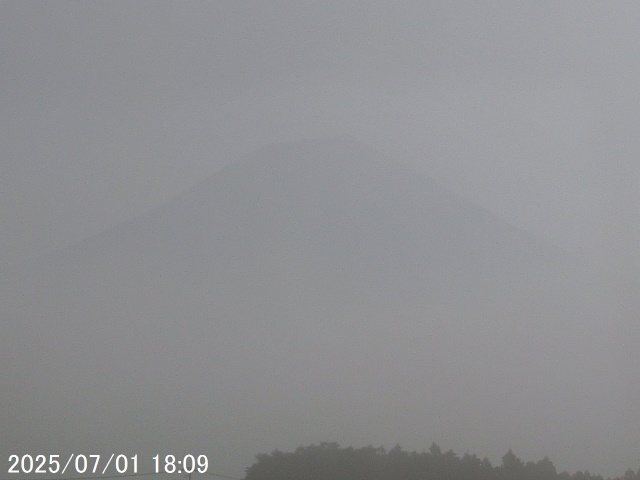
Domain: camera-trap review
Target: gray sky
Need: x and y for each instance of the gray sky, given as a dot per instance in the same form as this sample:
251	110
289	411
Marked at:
109	109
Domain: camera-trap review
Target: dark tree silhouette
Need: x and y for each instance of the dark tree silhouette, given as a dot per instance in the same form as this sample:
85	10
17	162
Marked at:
328	461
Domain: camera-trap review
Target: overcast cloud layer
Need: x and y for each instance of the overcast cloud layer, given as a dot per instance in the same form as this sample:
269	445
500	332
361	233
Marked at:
529	110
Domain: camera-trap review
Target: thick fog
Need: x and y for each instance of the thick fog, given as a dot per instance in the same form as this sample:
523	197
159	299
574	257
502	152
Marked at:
456	261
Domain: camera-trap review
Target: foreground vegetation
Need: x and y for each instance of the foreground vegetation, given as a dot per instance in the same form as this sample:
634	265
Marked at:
328	461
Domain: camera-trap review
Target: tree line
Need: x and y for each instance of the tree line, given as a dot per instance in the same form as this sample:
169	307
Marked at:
329	461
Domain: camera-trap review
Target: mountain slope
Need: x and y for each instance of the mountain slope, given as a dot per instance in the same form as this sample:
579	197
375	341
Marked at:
311	291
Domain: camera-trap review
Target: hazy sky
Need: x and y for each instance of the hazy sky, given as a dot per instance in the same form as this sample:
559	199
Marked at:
529	109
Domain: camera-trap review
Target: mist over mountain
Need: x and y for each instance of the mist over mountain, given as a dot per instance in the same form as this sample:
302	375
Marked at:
317	291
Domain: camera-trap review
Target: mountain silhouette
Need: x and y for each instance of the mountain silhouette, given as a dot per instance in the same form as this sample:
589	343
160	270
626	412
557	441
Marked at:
312	290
